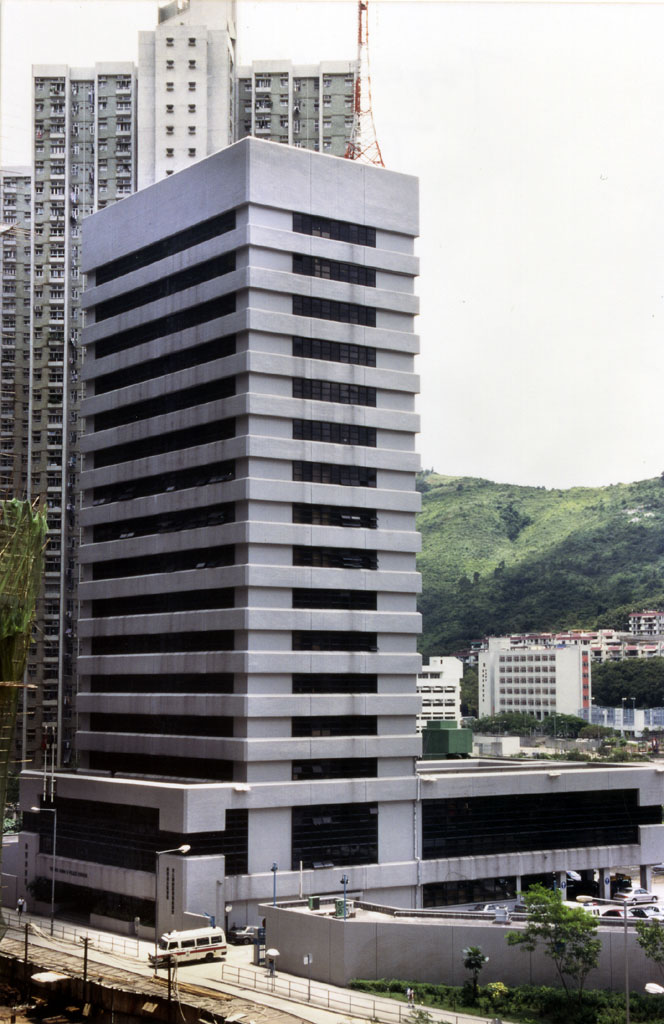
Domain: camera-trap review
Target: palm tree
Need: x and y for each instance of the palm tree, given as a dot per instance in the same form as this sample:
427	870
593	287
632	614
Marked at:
474	960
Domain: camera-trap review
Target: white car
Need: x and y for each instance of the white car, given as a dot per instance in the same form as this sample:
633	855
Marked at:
636	896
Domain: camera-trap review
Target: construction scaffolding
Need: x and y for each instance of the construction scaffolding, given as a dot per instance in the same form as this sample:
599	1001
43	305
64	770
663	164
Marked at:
22	538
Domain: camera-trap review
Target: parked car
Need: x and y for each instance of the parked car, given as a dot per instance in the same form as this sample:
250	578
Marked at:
635	896
489	908
243	936
649	912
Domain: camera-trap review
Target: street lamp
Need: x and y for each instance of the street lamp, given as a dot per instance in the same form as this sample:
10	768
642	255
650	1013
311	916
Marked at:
185	848
52	811
274	869
344	882
622	719
623	903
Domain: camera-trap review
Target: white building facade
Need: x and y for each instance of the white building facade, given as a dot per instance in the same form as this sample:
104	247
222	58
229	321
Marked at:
439	686
538	680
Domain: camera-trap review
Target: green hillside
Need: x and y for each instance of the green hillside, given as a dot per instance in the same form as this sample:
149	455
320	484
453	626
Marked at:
498	558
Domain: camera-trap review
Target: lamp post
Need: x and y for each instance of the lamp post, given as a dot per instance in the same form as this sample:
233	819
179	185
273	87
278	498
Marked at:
344	882
51	810
274	869
185	848
622	716
623	903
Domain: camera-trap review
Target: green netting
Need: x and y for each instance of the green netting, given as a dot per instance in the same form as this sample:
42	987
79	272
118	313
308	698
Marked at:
22	539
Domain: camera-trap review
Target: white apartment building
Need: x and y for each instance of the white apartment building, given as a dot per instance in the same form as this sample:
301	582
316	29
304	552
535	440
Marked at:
439	686
646	623
538	680
185	86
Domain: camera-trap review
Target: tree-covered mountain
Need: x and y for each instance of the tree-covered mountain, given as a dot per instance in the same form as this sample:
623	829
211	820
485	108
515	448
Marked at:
499	558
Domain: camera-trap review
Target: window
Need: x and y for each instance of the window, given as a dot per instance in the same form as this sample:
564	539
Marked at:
170	108
192	65
335	515
192	108
334	433
170	129
169	87
333	270
328	473
192	40
327	100
343	600
264	82
169	152
192	87
169	40
191	152
170	64
333	391
338	230
333	640
191	129
328	309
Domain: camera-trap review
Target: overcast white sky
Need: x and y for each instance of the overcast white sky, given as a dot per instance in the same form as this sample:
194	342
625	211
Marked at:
538	133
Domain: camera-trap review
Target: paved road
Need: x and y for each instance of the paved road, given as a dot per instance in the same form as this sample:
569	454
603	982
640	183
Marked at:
322	1004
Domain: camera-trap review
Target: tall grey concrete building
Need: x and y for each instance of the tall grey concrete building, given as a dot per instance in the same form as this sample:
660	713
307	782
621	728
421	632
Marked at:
248	586
98	133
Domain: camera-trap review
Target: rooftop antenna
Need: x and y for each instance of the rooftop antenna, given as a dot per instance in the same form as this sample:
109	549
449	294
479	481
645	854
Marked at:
363	143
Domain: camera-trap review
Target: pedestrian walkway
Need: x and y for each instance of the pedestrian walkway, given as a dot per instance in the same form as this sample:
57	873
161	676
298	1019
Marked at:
313	1002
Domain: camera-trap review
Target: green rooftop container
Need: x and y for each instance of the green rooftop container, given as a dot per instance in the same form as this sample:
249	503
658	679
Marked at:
442	740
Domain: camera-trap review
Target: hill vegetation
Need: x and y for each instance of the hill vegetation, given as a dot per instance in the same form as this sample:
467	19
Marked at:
499	558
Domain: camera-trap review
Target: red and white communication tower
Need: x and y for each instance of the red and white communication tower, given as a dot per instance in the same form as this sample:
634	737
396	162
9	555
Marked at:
363	144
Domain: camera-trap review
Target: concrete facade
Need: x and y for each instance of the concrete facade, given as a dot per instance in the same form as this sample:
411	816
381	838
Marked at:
248	516
185	86
540	680
439	686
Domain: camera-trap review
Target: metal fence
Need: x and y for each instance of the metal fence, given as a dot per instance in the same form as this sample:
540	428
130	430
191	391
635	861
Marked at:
300	990
40	927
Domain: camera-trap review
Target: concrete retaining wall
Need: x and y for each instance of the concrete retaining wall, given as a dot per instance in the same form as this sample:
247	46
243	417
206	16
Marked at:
423	950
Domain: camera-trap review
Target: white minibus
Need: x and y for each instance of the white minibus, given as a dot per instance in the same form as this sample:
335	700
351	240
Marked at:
195	944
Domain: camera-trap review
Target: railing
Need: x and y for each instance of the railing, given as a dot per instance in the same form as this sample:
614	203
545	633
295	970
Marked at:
40	927
300	991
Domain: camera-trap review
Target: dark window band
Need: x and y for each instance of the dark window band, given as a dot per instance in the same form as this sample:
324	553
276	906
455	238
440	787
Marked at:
337	230
334	351
333	391
178	242
329	473
334	433
328	309
171	324
165	286
334	270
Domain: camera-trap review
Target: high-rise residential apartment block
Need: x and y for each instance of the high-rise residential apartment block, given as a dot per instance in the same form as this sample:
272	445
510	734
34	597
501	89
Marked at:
309	107
248	584
84	157
15	213
538	680
185	86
